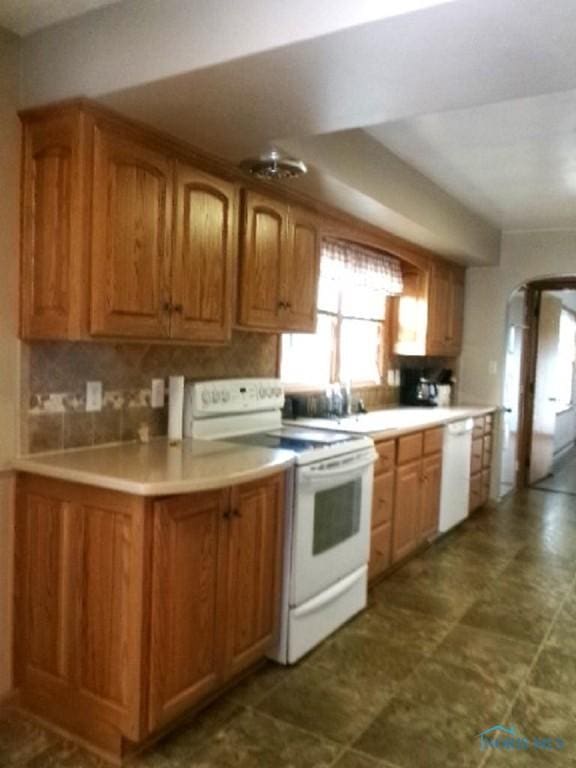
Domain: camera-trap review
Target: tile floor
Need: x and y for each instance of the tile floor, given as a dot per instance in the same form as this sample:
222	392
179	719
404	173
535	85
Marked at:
563	477
479	630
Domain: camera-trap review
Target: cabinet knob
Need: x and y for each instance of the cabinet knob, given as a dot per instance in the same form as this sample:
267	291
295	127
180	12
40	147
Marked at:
282	305
167	306
227	515
237	513
178	308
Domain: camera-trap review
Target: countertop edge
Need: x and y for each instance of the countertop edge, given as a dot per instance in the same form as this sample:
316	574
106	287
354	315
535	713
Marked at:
134	488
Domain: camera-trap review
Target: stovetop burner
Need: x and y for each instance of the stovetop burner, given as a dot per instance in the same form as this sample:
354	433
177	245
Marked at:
294	439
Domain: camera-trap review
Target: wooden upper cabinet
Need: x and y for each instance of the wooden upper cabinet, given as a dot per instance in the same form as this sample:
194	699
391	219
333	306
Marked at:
300	271
188	602
255	570
445	310
204	256
131	227
53	226
263	248
279	266
428	316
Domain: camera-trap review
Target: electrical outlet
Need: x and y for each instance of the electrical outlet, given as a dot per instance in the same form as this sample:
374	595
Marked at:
93	396
158	388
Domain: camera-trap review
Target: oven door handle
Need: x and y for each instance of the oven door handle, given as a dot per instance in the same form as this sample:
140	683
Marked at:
336	468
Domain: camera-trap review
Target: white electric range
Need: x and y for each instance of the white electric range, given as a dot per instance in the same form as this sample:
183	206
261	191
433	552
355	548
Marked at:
329	502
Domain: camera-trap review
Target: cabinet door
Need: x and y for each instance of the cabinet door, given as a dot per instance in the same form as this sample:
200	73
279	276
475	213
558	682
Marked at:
431	482
131	223
380	550
264	243
188	602
383	498
455	320
255	568
80	586
407	504
53	238
300	270
439	302
204	256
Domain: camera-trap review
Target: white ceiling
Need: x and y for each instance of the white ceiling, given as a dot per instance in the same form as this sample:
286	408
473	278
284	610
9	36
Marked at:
26	16
445	124
513	162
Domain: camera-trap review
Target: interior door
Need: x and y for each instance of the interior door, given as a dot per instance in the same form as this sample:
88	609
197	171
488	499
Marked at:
132	207
544	419
203	260
515	336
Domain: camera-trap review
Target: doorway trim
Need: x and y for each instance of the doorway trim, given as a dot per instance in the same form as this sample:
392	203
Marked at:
534	290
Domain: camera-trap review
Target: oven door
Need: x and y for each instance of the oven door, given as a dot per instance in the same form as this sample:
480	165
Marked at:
332	511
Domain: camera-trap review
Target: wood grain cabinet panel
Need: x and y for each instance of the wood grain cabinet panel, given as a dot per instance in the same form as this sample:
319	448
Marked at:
131	226
407	502
386	456
410	447
383	498
255	567
264	244
481	462
300	270
204	256
431	485
380	550
188	602
53	232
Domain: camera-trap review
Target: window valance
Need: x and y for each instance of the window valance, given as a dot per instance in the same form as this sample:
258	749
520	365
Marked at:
362	267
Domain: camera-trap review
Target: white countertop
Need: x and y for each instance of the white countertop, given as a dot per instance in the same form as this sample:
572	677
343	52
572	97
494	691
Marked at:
157	468
395	422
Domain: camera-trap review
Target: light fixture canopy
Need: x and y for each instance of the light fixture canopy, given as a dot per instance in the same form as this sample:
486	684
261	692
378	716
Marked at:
273	166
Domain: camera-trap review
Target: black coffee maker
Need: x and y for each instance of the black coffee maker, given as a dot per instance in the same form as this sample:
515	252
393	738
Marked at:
417	388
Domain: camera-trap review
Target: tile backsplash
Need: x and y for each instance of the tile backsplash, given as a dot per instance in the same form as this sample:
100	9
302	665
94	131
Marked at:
55	389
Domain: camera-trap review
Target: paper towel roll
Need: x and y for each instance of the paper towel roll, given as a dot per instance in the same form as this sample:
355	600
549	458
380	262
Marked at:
175	408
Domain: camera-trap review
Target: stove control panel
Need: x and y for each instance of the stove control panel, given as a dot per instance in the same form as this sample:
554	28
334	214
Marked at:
230	396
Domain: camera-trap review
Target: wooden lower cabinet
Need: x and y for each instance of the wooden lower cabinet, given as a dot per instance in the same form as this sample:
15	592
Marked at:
407	504
406	497
129	611
481	462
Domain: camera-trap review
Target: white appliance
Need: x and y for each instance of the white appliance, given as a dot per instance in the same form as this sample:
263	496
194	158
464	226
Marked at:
327	535
455	493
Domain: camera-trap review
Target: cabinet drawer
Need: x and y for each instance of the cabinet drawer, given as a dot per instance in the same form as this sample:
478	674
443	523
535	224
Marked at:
433	440
410	448
487	451
477	454
383	499
475	491
478	427
380	550
386	456
488	424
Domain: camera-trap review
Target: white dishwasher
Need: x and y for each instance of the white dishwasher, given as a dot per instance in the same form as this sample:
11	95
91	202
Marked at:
455	492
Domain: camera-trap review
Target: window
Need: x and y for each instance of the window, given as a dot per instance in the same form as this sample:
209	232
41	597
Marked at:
566	359
349	341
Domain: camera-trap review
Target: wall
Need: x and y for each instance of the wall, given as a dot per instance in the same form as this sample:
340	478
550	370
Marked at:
565	431
9	174
525	256
55	389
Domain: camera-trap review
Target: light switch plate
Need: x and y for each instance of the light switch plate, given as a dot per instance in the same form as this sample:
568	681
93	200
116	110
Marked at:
93	396
157	397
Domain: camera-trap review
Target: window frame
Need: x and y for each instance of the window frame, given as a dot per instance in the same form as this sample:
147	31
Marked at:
381	354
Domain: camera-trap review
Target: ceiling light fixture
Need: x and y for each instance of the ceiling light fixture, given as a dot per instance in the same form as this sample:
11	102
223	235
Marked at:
273	166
